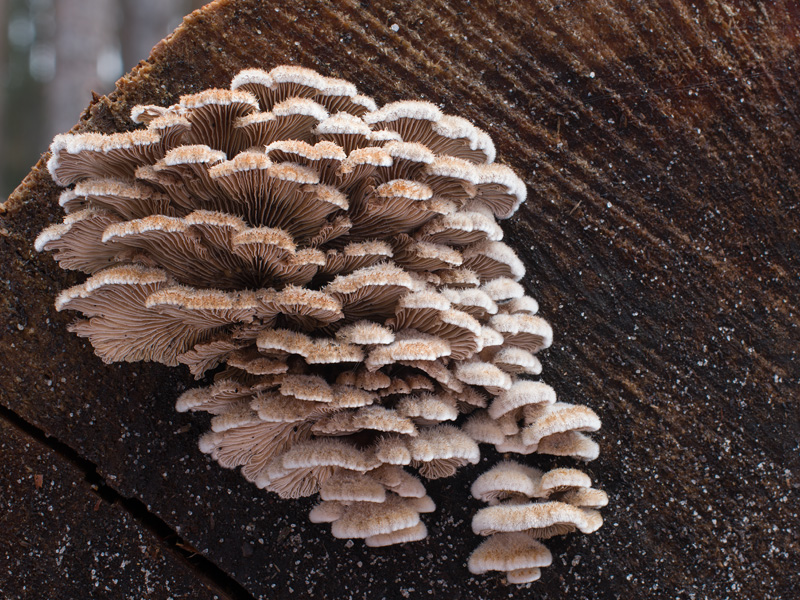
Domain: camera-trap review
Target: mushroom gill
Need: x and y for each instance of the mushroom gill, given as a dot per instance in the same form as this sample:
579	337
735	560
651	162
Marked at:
339	269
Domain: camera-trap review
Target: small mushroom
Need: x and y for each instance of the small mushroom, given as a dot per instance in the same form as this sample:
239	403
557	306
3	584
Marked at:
540	519
508	479
439	451
512	551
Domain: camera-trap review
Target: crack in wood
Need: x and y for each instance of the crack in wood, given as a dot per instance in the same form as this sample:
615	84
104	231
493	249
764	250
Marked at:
205	570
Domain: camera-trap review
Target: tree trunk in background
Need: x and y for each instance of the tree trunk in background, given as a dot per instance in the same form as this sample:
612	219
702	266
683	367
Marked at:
145	23
3	85
85	30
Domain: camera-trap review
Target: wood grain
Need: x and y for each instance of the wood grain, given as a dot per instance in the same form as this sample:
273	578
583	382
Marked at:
659	141
62	539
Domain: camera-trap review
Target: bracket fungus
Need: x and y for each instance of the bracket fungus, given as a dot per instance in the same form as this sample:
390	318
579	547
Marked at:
526	505
339	268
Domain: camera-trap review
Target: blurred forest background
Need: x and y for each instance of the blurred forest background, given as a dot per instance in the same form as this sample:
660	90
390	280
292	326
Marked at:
54	53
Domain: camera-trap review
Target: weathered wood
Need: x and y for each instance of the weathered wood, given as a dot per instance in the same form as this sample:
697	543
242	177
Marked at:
62	540
660	144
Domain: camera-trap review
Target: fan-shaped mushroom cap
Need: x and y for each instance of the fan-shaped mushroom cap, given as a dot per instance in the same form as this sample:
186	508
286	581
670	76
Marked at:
469	399
172	128
453	178
164	322
526	331
505	480
417	381
517	361
514	443
326	452
215	399
438	372
233	419
74	241
563	479
490	341
409	345
314	351
401	536
422	504
371	291
392	450
523	304
419	308
274	408
360	164
212	114
374	418
427	409
585	498
347	396
342	123
306	387
347	486
144	113
255	364
346	130
509	552
425	256
253	446
408	159
77	156
508	423
540	519
355	256
326	512
524	575
364	379
365	332
459	137
440	451
483	374
569	443
502	289
405	109
308	309
482	428
127	199
367	519
521	393
399	481
381	137
461	229
559	418
286	81
500	189
458	278
475	302
491	260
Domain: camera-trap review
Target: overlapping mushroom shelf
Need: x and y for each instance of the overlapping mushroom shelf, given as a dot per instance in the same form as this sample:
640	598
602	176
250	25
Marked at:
526	505
339	265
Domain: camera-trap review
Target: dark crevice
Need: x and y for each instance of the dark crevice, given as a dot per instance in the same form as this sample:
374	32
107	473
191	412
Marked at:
205	570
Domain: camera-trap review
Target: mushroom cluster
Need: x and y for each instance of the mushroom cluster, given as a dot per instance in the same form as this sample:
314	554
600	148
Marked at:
526	505
340	269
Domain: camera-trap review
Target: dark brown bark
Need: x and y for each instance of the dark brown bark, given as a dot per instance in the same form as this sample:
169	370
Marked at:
659	141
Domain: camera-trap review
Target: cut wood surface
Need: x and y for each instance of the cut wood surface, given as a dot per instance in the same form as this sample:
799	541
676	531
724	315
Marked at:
660	145
63	539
